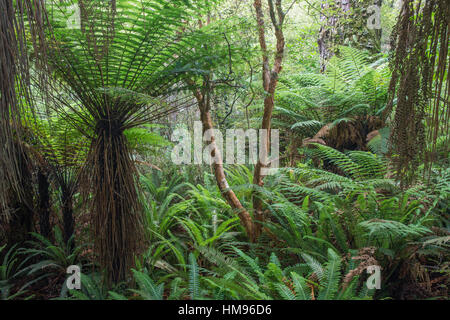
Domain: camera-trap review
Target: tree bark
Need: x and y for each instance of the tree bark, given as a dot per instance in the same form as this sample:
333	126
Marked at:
44	204
328	30
203	100
337	26
22	211
270	81
67	213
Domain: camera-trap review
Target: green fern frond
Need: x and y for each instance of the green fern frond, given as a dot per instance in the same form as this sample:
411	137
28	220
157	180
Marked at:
194	277
330	285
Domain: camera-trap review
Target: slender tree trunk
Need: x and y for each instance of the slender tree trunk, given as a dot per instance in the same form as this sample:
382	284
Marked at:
44	204
270	81
203	101
325	38
67	213
328	33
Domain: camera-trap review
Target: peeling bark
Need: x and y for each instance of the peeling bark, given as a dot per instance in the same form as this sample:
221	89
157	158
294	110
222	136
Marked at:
203	100
328	31
270	81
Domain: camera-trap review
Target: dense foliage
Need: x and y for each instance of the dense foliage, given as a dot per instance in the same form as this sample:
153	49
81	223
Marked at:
87	178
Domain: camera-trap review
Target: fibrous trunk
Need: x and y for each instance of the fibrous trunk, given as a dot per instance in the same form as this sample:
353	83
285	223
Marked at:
67	213
219	173
44	204
116	221
21	208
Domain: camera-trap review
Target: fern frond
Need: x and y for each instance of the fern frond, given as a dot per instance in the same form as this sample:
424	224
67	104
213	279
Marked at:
330	284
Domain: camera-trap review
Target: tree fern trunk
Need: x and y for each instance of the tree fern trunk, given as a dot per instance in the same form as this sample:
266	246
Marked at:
67	213
116	221
44	204
21	214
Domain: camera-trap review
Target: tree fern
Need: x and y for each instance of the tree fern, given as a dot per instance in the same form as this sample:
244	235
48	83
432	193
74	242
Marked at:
118	68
